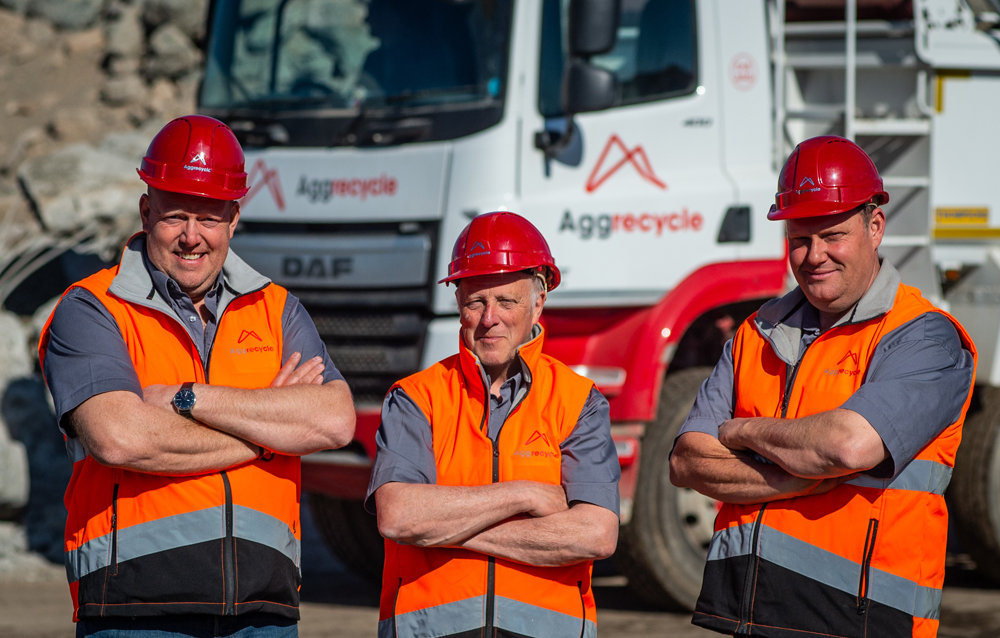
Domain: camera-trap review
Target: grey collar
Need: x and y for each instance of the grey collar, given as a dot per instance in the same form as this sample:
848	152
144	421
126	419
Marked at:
134	284
780	321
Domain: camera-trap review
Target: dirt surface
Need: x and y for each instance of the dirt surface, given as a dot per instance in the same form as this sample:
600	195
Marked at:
338	604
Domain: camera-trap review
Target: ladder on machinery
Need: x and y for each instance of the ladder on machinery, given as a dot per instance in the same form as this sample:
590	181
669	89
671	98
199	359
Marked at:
861	79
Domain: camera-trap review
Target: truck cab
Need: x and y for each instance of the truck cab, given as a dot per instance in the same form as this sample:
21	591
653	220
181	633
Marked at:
375	130
643	138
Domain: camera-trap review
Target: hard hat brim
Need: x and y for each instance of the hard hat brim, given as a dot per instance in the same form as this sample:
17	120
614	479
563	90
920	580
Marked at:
192	187
552	279
822	208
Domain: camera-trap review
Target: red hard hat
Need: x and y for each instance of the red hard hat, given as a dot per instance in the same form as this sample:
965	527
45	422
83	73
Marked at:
196	155
825	176
501	242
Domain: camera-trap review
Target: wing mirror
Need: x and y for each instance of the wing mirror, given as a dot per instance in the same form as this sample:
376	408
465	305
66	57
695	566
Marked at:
593	30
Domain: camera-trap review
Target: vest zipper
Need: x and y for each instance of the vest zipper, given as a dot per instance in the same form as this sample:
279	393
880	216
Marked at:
491	564
751	577
229	552
583	609
114	530
866	565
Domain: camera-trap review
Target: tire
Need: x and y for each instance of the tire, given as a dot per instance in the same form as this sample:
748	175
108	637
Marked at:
974	493
663	549
350	533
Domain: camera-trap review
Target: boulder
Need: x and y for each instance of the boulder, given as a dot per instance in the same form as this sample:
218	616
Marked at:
124	32
15	359
131	146
80	183
16	6
120	67
172	53
120	91
39	32
187	15
71	15
14	482
25	408
162	95
84	42
75	124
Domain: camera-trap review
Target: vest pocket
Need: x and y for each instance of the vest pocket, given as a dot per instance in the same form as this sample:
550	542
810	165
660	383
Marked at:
866	566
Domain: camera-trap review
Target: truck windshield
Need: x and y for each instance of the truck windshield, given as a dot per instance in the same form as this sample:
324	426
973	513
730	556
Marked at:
283	55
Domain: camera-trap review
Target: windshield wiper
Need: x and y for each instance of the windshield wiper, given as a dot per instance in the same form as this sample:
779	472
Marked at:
411	96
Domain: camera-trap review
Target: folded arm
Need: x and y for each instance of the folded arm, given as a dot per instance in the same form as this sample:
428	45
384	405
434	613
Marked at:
293	417
443	515
119	430
583	532
823	445
701	462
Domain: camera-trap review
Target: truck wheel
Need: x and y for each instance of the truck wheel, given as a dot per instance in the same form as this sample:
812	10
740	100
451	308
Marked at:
662	550
974	493
350	533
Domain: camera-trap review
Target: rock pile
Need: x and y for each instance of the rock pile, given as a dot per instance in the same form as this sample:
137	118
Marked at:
84	86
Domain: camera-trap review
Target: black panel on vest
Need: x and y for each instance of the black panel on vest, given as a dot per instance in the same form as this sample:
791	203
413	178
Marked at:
722	592
786	604
264	573
189	580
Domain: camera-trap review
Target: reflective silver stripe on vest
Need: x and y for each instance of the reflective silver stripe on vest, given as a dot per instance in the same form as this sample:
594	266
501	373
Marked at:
181	530
147	538
251	525
539	622
732	541
440	620
828	568
919	475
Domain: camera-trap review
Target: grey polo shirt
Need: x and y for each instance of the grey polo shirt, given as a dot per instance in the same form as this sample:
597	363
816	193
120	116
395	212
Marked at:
915	386
87	355
589	463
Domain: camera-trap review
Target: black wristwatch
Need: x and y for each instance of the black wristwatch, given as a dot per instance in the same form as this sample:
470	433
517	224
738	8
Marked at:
184	400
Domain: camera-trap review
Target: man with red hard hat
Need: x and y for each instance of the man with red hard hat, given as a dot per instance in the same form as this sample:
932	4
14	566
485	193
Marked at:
829	428
496	479
187	386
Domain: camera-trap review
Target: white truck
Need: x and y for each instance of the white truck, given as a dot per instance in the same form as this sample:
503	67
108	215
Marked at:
643	138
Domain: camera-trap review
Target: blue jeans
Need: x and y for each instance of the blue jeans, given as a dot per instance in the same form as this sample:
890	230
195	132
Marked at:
189	626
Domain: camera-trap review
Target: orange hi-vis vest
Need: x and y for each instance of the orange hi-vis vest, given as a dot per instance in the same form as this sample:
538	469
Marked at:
438	592
865	559
221	543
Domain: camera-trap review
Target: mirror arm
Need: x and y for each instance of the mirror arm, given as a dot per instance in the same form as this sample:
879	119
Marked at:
552	143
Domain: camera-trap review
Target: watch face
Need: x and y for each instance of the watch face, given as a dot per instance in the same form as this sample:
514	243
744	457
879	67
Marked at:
184	399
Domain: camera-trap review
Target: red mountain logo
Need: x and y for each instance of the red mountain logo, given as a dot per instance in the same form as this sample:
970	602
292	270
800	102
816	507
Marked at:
536	437
850	355
261	176
636	157
246	334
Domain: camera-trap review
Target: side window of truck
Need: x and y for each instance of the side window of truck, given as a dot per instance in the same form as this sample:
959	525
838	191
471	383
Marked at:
655	56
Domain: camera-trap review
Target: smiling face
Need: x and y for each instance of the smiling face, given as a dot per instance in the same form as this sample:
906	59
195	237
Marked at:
187	237
498	313
835	258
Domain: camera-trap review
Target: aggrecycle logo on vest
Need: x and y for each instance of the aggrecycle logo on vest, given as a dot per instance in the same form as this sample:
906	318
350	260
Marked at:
244	335
537	436
853	357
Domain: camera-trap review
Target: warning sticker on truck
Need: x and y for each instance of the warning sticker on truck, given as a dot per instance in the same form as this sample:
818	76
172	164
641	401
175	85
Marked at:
961	216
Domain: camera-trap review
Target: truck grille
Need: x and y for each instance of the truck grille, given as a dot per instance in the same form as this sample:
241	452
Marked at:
372	350
374	333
